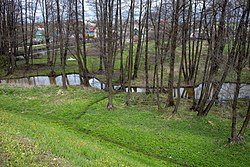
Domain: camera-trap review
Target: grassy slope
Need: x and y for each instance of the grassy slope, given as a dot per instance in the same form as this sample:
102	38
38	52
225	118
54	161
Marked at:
74	127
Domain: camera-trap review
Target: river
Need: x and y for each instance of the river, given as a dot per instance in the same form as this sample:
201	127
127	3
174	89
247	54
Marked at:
226	92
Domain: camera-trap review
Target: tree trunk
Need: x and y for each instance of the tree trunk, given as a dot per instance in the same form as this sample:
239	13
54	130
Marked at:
79	59
131	45
245	124
146	47
86	79
61	44
184	43
170	100
139	44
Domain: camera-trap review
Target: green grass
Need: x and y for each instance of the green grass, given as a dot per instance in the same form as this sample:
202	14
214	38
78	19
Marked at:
74	128
69	148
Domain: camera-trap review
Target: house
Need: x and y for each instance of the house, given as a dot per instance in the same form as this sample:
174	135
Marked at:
91	29
39	36
90	32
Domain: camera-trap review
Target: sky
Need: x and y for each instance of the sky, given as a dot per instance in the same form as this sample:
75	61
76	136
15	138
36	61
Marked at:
89	11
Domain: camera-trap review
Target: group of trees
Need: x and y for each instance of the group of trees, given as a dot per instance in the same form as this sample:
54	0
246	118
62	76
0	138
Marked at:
207	37
190	25
19	19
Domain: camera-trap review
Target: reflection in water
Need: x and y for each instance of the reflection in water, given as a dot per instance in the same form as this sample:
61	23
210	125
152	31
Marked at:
52	80
72	79
226	92
135	89
96	83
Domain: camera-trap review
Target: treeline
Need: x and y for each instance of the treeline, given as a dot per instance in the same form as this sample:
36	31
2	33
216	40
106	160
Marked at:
209	38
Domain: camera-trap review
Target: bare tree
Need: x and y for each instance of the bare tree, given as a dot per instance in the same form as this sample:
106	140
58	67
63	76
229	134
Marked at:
215	51
184	40
84	44
140	40
60	27
105	26
175	20
240	62
33	10
45	14
9	12
108	12
146	45
131	45
77	41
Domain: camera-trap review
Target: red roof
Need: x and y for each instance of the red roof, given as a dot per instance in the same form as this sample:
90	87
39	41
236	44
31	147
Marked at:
91	29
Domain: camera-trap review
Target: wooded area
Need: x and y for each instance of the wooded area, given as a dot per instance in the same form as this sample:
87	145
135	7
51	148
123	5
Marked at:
164	43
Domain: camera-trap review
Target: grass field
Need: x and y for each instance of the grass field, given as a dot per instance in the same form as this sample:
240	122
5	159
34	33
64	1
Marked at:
46	126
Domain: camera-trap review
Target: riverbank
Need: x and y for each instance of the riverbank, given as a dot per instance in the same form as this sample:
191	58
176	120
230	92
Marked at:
43	125
186	91
39	66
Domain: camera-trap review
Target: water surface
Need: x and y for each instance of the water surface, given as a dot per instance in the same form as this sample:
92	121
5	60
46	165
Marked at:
226	92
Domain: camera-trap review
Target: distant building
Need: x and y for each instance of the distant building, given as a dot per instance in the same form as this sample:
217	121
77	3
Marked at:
39	36
90	32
